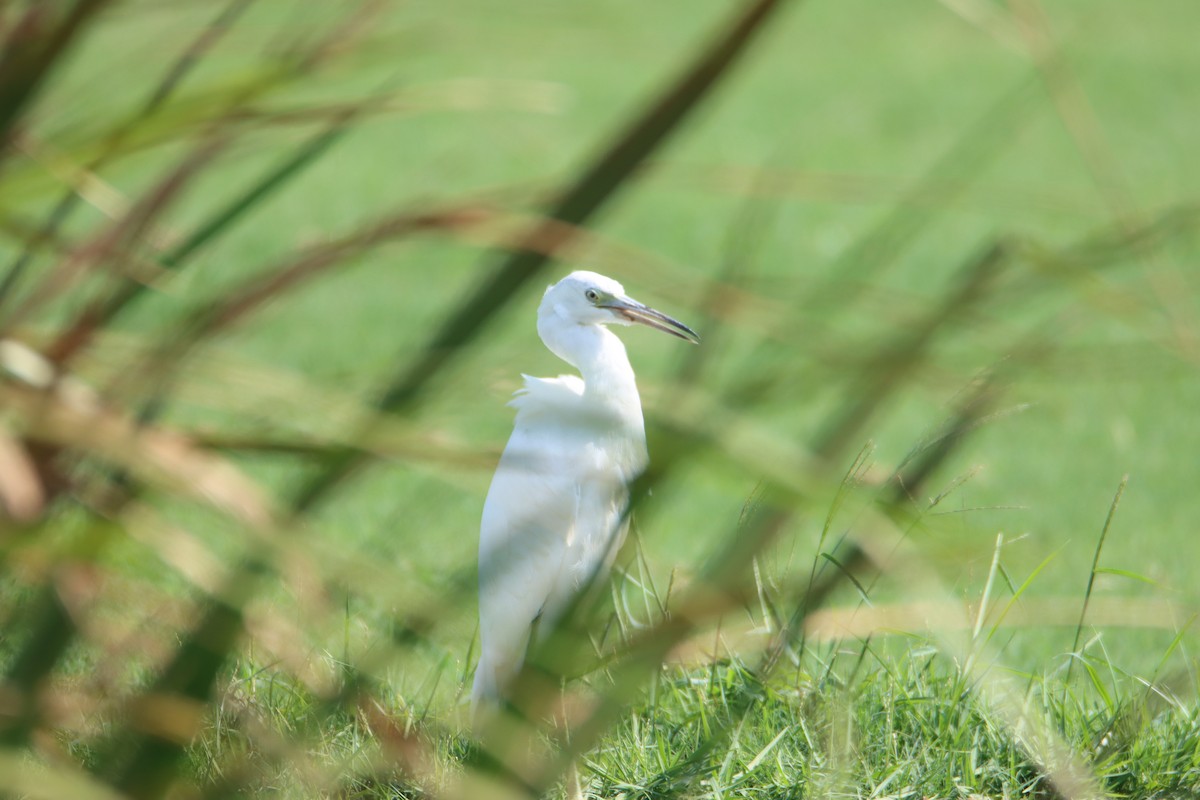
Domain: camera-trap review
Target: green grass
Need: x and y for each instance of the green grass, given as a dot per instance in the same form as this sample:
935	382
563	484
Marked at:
836	184
906	728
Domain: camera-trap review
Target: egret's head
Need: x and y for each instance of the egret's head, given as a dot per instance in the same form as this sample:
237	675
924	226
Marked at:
587	298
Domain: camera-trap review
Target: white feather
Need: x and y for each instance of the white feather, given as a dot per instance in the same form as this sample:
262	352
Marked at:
556	512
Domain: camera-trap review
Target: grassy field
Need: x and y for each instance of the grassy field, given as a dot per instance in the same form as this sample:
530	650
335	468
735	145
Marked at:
885	219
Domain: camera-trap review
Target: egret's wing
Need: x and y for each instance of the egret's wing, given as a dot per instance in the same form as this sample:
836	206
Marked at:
601	522
553	519
528	518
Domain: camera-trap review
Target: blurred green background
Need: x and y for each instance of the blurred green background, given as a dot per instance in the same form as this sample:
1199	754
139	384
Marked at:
844	107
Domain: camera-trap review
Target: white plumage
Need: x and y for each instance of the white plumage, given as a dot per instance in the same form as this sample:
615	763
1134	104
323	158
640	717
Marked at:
555	513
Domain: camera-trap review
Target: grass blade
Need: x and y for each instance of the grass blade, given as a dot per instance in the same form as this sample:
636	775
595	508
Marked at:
33	49
129	291
891	364
175	75
1087	595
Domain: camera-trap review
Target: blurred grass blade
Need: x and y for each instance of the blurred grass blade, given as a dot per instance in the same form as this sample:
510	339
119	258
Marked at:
157	457
1083	124
32	781
290	168
892	363
159	368
967	158
33	48
746	237
848	575
190	58
129	290
116	244
1112	242
51	632
22	496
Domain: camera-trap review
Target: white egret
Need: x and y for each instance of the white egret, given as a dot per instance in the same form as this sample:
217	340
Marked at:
555	514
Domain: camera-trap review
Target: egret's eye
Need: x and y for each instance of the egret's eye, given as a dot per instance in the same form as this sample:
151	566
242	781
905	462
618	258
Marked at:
592	294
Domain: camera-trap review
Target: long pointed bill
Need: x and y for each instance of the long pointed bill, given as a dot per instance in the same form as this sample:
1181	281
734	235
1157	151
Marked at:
634	311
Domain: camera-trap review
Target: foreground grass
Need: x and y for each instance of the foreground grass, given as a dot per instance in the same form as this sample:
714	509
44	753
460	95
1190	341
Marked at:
854	721
906	727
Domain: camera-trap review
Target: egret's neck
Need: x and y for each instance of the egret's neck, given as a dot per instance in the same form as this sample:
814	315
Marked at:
600	357
605	368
